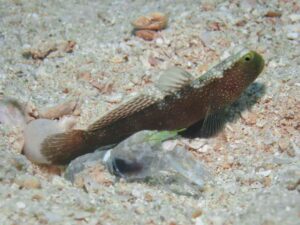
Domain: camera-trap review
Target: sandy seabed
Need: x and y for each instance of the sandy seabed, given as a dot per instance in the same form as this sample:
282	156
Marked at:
95	57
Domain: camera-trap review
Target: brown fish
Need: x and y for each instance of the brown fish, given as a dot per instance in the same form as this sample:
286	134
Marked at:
183	101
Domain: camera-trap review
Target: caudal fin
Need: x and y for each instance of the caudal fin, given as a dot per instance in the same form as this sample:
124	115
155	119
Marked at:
61	148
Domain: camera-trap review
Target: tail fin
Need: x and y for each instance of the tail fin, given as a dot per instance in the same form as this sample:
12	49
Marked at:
61	148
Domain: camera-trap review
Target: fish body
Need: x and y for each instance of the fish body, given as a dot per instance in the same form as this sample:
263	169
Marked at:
185	100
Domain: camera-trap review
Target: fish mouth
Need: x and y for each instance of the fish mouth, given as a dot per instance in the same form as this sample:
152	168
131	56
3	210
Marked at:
259	62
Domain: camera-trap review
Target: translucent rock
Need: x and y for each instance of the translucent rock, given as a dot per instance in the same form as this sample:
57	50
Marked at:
80	163
145	157
142	157
89	172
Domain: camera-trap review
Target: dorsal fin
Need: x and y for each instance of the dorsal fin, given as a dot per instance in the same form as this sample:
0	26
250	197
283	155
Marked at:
173	79
128	108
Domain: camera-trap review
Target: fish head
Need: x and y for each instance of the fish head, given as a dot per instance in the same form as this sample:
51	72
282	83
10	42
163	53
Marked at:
245	68
250	65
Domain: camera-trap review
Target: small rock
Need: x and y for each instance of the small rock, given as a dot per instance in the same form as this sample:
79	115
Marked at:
147	35
248	5
80	163
148	197
20	163
41	53
251	119
53	217
140	210
38	196
159	41
281	161
118	59
292	35
68	46
58	111
16	139
197	213
273	14
153	61
44	49
293	185
28	181
264	173
261	123
153	21
295	17
114	98
267	181
31	112
196	144
59	181
204	149
21	205
273	64
199	221
283	144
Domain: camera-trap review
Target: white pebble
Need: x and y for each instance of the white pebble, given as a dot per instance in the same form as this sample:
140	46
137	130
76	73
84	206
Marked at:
114	98
189	64
205	148
59	181
159	41
199	221
264	173
21	205
197	143
272	64
295	17
53	217
292	35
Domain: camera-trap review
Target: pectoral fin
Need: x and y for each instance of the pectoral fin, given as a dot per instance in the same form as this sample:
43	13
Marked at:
207	127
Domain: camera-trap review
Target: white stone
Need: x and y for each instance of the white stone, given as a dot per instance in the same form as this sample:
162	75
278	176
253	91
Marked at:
159	41
295	17
292	35
199	221
20	205
264	173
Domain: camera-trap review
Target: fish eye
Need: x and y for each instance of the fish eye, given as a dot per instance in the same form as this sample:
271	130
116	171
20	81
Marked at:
248	57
